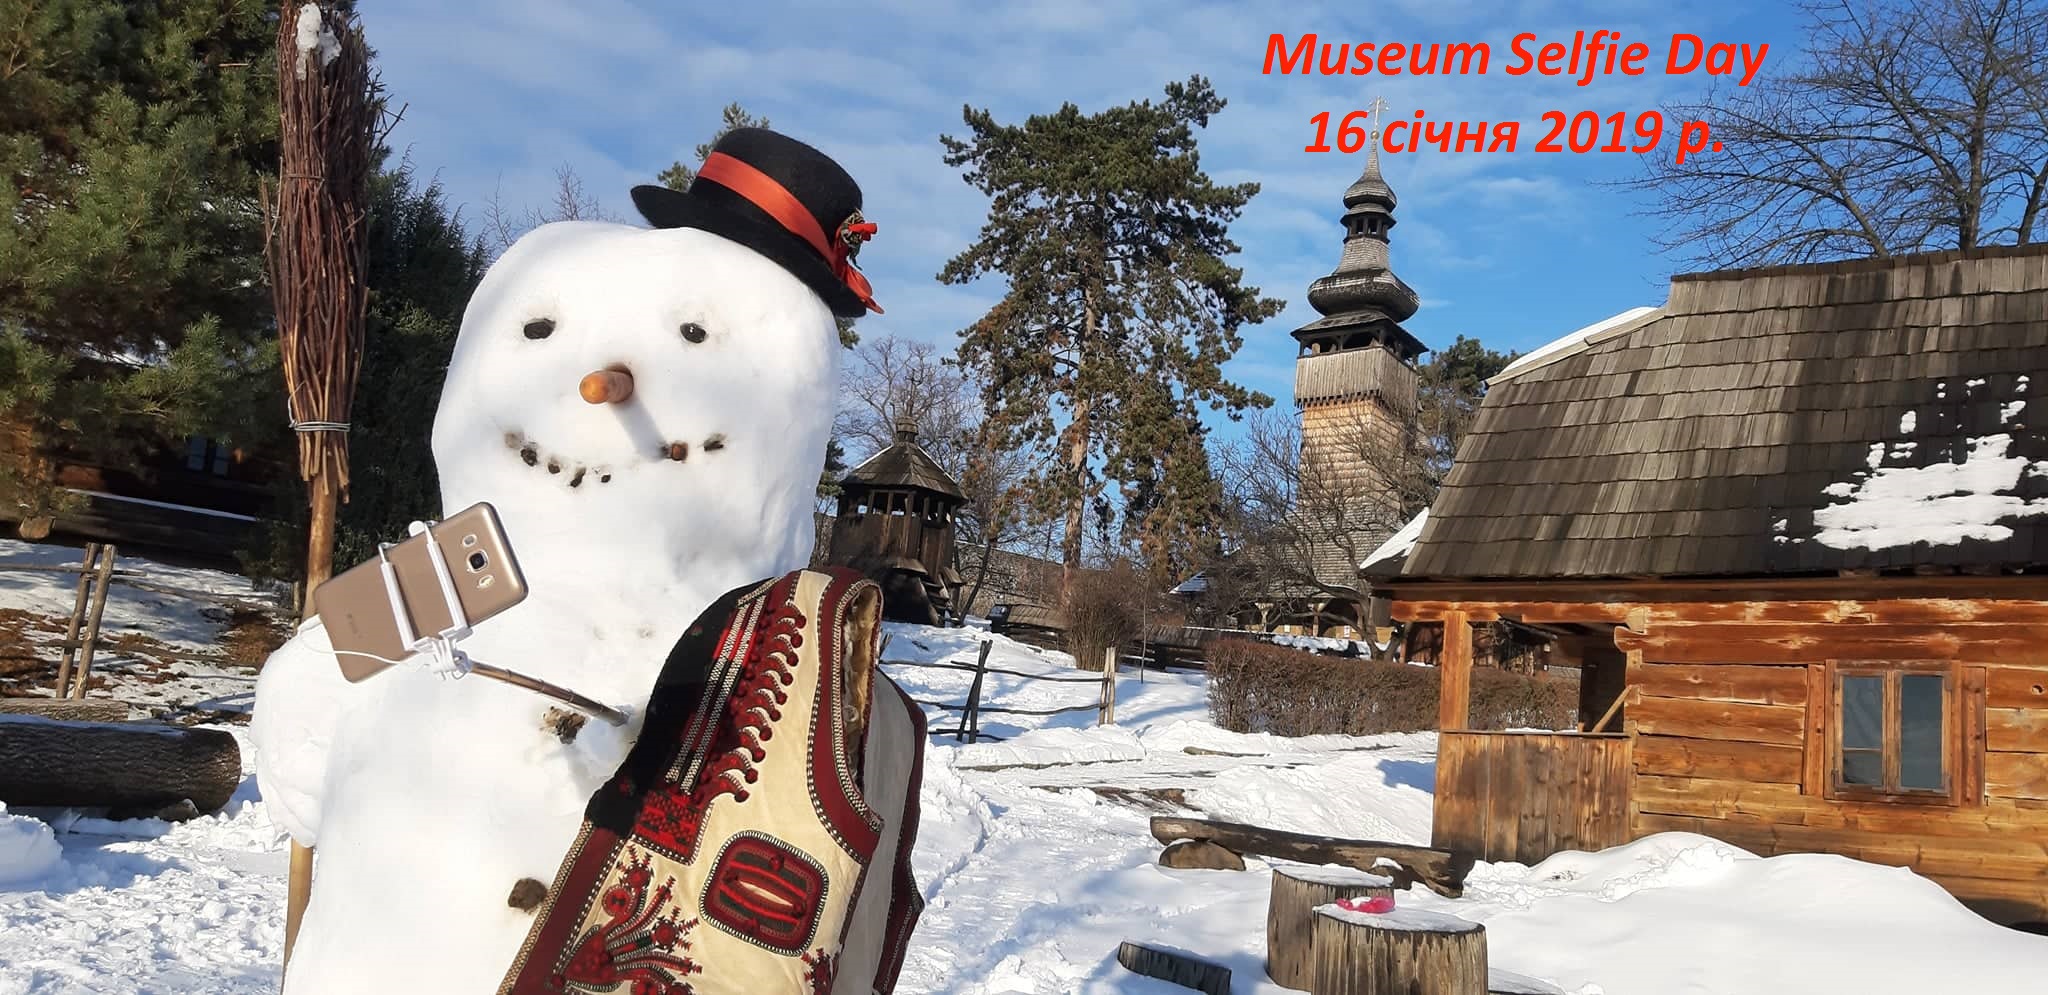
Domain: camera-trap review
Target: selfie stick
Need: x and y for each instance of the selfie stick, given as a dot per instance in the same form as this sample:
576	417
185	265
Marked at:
440	647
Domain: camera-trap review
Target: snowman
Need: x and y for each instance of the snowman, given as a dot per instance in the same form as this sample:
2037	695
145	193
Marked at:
647	410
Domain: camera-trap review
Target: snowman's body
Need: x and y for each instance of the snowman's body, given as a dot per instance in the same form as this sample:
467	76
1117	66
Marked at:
430	799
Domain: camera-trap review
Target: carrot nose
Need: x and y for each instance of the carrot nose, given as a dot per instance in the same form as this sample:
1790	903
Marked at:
606	387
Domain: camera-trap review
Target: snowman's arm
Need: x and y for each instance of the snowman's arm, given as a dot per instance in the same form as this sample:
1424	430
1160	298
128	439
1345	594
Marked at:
300	700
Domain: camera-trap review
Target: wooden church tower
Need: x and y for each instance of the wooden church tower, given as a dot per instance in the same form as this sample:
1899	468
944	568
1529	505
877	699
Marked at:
895	524
1354	378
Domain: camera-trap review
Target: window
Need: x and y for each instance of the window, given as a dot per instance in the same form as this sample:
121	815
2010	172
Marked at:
203	455
1895	732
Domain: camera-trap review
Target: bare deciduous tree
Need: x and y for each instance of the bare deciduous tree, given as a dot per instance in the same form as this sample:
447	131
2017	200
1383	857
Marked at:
1306	515
892	380
1308	510
1913	126
571	203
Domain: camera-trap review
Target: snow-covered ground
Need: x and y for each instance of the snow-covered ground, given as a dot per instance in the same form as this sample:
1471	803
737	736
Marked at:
181	649
1035	857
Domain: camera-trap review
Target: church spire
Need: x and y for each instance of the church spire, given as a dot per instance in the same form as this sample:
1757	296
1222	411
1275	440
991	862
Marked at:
1364	285
1371	187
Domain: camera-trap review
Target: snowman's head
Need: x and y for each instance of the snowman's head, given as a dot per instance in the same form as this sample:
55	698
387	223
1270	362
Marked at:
631	396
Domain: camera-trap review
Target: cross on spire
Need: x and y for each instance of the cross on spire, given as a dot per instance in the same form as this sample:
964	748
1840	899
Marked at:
1378	110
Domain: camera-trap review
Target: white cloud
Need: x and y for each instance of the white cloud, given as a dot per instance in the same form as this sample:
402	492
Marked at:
502	94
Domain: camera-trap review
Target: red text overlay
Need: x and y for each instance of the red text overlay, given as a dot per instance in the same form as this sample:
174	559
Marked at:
1581	131
1586	57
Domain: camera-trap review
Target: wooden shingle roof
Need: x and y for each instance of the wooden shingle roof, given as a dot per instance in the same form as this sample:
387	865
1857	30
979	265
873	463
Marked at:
1860	415
904	464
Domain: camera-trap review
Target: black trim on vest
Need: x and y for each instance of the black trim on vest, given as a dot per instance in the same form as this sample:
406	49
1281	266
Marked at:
678	692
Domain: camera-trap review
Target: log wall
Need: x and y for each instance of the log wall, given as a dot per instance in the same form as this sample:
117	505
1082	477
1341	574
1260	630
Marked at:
1730	713
1741	752
1525	796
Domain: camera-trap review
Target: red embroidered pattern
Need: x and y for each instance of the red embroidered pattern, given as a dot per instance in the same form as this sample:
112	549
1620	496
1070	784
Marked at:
672	818
819	968
766	892
756	703
636	945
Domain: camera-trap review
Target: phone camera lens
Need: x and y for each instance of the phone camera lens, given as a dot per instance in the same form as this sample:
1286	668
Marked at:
477	560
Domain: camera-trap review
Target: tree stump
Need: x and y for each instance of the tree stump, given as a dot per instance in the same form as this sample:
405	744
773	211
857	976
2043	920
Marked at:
1291	912
125	766
1199	855
1402	952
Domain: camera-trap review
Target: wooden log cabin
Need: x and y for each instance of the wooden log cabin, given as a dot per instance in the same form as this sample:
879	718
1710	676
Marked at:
895	524
1795	519
201	501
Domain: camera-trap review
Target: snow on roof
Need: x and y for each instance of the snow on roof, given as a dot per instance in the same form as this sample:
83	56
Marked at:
1941	504
1198	584
1575	341
1400	542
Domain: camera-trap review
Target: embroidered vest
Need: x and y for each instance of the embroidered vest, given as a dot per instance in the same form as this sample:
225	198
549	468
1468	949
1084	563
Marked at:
746	845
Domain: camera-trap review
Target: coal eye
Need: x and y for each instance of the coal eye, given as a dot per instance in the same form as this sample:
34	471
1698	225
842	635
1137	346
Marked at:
693	332
540	328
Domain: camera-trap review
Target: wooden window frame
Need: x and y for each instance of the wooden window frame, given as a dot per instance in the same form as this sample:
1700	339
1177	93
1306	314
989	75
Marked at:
1955	733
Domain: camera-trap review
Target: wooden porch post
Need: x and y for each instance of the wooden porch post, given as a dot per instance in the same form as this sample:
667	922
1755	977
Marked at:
1454	674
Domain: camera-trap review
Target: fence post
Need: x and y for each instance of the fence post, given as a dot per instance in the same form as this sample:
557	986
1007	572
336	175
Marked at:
102	580
970	720
1108	714
92	553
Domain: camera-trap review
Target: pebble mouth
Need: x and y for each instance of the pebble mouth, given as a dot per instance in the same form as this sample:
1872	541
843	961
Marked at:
530	454
577	474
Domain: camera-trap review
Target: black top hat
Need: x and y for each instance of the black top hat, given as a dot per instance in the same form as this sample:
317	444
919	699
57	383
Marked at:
783	199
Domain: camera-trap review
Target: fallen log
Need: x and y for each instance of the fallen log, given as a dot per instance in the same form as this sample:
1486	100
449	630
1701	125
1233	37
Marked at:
1291	912
1402	952
76	710
1185	970
127	766
1443	871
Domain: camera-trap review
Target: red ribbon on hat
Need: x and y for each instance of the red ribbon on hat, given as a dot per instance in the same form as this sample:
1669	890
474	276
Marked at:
763	192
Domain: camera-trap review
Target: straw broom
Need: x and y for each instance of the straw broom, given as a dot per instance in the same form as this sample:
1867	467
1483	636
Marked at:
315	233
316	230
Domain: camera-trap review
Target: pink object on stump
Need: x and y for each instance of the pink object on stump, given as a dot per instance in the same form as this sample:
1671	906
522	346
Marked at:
1372	903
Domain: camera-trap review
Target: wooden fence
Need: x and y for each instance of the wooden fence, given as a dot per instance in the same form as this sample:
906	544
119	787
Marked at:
970	710
96	576
1524	796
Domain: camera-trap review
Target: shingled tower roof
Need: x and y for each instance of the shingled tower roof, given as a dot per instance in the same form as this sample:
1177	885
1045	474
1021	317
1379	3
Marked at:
905	464
1363	294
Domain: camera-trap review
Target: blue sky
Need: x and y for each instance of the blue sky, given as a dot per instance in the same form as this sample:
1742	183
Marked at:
1514	249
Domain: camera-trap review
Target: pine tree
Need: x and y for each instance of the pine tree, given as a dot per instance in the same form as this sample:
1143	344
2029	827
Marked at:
1120	310
133	137
834	471
734	117
1449	389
